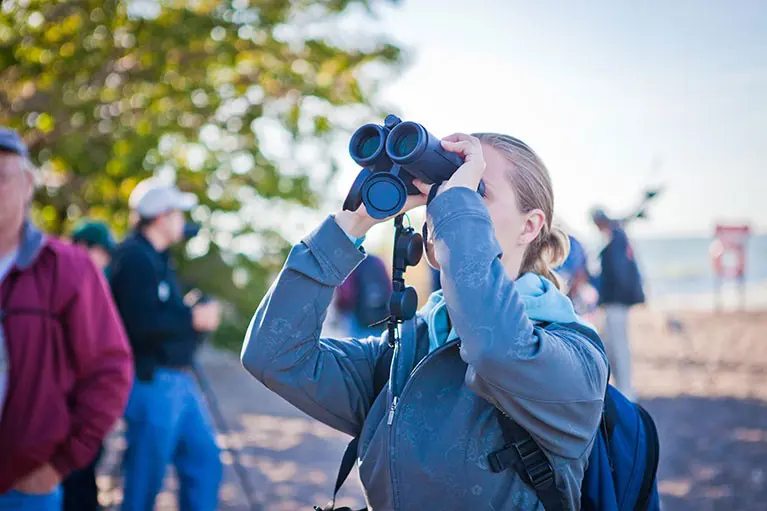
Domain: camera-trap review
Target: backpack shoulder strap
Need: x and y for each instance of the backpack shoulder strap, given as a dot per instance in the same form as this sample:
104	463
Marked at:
347	464
523	454
380	379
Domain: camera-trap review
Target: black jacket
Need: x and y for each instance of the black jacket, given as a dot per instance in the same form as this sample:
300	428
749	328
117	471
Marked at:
620	281
151	303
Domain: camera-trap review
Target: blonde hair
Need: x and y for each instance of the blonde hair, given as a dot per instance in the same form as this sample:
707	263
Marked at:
532	187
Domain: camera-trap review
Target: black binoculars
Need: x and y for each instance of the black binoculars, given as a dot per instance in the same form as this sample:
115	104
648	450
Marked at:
391	156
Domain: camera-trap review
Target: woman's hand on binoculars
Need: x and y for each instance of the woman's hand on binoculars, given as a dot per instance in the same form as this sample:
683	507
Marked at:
470	173
358	223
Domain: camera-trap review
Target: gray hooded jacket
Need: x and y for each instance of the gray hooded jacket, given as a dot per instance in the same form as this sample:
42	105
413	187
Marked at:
425	440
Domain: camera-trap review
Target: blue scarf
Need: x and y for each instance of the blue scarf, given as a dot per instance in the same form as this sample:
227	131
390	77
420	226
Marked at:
541	298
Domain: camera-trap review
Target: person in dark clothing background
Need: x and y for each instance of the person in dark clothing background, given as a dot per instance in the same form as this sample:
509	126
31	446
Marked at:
81	493
166	418
363	298
96	239
620	288
574	270
577	280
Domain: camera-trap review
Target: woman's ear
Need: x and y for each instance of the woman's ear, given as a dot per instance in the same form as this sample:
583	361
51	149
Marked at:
428	248
531	227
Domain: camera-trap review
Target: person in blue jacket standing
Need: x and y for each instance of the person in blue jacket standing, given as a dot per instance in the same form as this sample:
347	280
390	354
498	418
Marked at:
620	288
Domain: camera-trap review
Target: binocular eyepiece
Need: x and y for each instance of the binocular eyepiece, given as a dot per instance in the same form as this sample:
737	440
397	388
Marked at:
391	156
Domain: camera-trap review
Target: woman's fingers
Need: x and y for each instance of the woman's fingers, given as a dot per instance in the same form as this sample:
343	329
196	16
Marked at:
464	145
455	147
457	137
422	187
470	149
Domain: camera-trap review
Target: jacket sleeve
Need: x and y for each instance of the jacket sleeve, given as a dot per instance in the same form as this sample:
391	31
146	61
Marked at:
103	369
329	379
551	382
148	321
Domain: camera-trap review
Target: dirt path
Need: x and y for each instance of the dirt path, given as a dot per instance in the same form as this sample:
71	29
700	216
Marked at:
291	460
703	377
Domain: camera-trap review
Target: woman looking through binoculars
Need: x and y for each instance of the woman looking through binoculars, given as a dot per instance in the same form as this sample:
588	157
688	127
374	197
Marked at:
488	341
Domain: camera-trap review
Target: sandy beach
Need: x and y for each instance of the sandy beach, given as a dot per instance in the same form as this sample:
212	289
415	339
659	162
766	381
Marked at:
702	375
706	385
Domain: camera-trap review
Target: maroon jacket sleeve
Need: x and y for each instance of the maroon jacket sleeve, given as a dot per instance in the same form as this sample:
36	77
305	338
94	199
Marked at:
103	367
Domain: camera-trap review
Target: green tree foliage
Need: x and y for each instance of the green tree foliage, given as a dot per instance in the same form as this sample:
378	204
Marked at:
107	93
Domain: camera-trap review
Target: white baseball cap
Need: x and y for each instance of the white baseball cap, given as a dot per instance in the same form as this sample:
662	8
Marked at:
152	198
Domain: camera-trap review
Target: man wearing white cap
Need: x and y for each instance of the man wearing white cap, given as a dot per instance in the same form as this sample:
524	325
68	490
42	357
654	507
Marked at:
165	417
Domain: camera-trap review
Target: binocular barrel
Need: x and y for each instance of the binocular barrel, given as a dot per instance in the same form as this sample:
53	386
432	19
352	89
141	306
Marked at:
409	145
367	147
420	153
391	156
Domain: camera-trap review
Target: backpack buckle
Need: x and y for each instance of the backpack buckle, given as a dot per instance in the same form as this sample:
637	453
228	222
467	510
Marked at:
536	465
500	460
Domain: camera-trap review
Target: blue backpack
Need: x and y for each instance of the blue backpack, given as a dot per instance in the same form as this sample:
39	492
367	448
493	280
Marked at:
622	468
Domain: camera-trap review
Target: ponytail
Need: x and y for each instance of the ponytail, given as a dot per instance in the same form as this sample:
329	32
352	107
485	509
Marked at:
548	250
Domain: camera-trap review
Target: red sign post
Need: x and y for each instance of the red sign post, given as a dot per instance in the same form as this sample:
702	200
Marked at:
728	257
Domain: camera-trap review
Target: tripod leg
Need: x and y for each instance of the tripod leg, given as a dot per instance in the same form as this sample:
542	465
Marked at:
222	426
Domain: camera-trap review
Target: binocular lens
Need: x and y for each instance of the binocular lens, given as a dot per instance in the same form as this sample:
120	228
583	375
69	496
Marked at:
405	141
407	144
368	145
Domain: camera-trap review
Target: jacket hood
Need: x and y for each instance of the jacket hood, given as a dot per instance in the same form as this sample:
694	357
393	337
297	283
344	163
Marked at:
32	241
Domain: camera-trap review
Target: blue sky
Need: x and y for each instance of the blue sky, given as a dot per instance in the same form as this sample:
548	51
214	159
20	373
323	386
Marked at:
614	96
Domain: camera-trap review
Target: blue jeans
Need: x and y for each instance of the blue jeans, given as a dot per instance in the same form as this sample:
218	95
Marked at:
17	501
167	421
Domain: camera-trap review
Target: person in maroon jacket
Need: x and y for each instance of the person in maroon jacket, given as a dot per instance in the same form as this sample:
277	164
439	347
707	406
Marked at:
65	364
